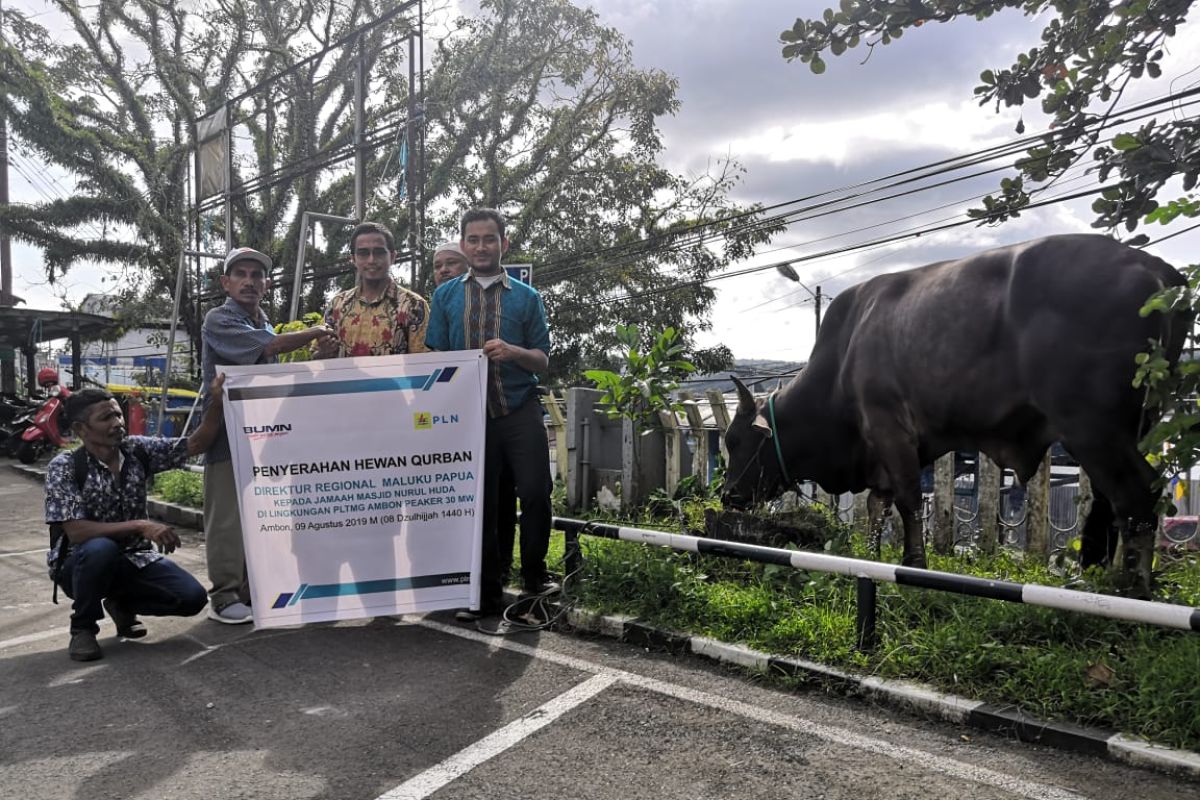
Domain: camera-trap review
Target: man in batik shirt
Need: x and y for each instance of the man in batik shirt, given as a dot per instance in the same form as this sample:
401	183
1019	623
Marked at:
378	317
106	554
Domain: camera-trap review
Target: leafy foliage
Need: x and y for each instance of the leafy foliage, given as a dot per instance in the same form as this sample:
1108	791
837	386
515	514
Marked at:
307	321
180	486
1090	50
531	106
644	387
1172	445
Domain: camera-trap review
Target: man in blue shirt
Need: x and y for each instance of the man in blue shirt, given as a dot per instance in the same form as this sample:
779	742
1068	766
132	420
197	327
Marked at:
237	332
485	309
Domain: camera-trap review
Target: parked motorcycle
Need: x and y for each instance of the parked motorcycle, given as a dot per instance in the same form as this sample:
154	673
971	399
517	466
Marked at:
47	429
15	415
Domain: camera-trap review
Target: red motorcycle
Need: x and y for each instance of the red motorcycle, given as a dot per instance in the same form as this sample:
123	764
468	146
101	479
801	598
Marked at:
47	429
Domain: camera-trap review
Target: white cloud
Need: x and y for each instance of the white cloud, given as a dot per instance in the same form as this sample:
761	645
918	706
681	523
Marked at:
955	128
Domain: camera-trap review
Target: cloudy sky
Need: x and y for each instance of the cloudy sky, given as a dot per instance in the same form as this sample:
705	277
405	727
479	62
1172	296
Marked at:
798	134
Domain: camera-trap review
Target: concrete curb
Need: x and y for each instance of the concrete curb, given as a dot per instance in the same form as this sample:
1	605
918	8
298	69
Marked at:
913	697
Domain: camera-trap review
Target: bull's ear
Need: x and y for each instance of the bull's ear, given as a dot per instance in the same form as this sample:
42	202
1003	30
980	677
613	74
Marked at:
745	398
761	425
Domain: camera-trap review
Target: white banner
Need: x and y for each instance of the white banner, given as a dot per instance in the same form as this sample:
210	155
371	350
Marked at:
360	483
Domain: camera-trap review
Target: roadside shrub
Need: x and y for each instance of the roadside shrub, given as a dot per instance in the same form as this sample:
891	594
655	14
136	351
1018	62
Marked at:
180	486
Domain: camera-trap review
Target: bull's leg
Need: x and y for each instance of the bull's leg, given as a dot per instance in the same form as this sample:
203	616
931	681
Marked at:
1121	474
879	509
914	531
1137	558
1098	541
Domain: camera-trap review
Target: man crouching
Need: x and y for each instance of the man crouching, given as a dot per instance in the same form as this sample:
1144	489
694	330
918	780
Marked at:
102	546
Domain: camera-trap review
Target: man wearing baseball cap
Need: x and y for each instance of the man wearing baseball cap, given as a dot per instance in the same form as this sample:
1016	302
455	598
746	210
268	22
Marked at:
237	332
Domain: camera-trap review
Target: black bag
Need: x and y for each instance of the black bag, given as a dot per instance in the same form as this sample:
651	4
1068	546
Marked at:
58	535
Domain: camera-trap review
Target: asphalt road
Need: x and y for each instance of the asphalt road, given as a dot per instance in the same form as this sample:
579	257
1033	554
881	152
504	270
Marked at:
424	707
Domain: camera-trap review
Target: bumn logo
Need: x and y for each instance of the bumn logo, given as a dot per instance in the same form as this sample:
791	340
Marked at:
281	427
255	432
422	420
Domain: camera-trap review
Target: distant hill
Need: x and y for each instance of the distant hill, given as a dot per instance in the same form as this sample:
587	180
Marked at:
759	374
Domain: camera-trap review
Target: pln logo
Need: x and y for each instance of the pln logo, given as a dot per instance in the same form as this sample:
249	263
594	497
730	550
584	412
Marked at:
424	421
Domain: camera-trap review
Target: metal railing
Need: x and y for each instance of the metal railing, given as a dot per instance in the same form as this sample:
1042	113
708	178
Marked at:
867	573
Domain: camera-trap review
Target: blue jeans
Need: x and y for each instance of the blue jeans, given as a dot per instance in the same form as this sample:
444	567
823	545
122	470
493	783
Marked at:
98	569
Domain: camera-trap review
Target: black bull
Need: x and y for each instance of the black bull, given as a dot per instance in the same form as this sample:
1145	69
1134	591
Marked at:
1007	351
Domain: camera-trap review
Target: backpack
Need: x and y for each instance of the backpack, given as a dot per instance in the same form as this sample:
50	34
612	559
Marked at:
79	468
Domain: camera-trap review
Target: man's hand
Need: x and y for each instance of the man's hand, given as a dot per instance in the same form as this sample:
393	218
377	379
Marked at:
499	350
531	359
325	342
216	390
163	536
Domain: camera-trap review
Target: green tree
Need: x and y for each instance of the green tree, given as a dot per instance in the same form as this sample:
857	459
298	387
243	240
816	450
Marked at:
532	106
1088	54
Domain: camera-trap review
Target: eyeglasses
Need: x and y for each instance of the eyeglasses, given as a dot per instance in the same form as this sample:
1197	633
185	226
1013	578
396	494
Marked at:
367	252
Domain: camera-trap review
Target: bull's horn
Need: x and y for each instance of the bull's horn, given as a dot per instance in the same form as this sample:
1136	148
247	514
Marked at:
745	398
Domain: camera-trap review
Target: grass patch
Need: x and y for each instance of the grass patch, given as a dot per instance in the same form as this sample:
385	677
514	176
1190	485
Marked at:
1140	680
180	486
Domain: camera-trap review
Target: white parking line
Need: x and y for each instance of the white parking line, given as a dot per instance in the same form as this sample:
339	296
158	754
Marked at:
829	733
462	762
39	551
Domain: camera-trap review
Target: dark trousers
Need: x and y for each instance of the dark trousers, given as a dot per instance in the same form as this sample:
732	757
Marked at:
506	522
516	443
98	569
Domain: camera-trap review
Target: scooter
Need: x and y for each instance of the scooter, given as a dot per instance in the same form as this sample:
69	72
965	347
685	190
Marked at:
15	415
47	429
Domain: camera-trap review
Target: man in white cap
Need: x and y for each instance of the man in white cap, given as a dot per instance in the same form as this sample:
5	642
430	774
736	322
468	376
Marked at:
449	261
237	332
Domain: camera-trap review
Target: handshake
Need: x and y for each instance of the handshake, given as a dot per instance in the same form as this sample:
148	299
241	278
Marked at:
324	341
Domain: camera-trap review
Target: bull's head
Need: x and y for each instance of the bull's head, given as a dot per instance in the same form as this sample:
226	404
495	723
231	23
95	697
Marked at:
753	473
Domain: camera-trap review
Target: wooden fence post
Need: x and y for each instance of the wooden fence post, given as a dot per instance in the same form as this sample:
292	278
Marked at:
720	413
700	436
1037	512
1083	503
988	492
673	451
943	504
558	423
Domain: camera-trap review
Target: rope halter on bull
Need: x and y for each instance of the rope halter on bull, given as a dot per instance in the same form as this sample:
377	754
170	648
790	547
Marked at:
787	480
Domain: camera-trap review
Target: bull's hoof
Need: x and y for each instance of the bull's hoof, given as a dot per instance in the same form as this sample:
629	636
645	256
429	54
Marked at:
1136	585
915	561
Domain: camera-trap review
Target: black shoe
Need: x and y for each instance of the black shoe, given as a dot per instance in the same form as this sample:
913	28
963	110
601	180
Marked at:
544	588
473	615
84	646
128	625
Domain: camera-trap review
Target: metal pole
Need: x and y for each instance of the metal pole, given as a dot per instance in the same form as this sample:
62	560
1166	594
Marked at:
306	220
228	177
299	274
8	367
864	619
572	558
162	406
421	131
817	297
360	163
413	256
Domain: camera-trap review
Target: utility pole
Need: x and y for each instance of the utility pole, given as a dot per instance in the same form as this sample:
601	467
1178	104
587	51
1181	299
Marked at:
817	298
8	372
